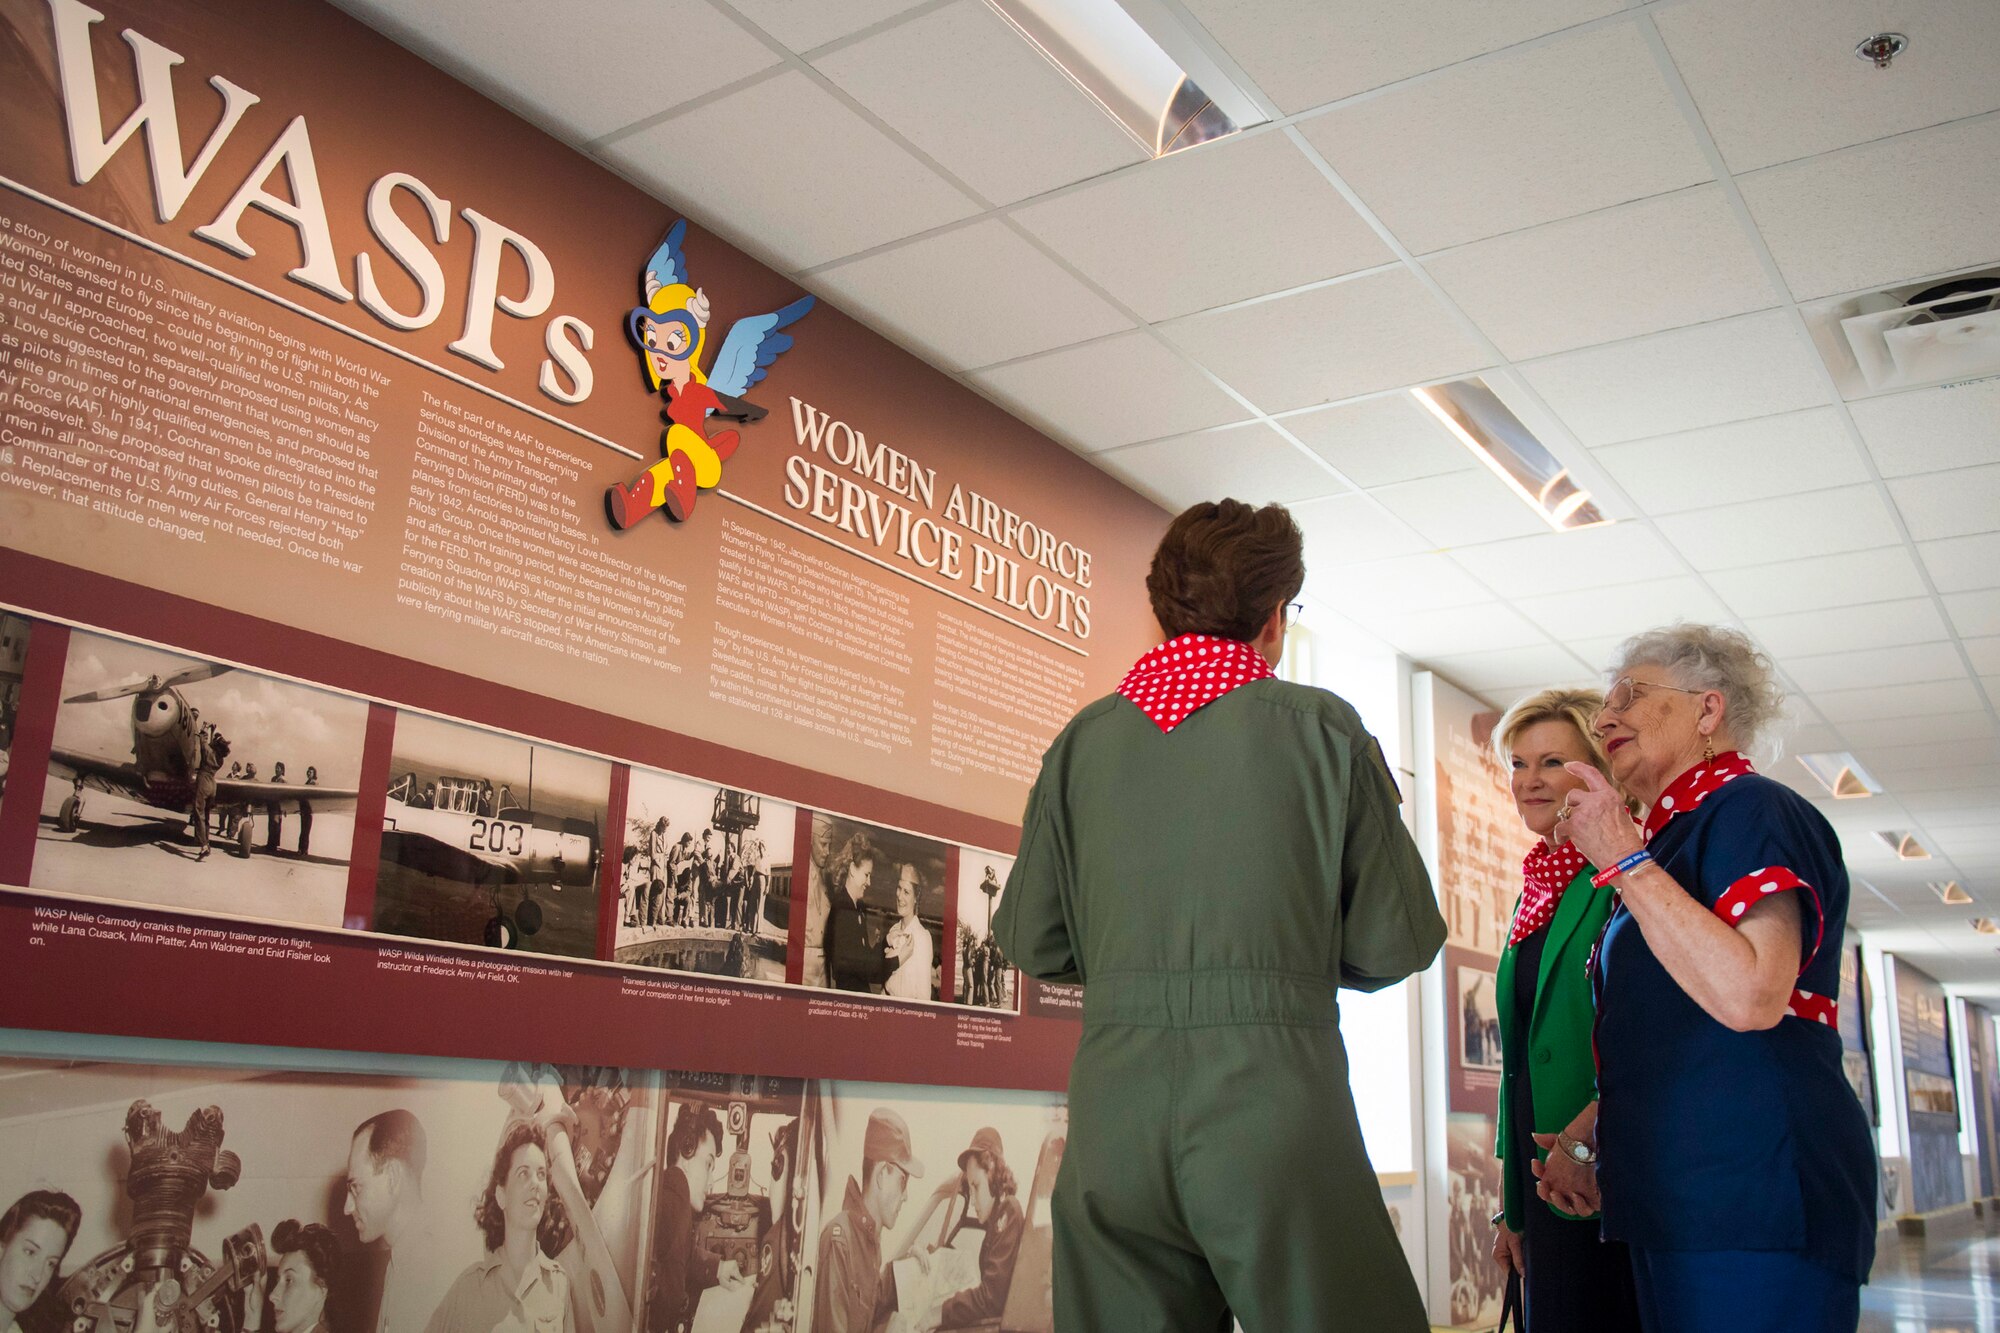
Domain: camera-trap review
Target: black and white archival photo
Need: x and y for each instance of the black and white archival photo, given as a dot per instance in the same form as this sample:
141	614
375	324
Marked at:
706	879
734	1173
14	631
504	1197
951	1200
490	839
874	910
1479	1019
981	974
190	784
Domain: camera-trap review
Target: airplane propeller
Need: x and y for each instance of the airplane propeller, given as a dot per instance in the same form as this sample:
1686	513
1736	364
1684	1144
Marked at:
151	684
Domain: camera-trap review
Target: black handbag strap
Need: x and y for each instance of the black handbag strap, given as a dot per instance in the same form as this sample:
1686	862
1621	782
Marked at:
1512	1305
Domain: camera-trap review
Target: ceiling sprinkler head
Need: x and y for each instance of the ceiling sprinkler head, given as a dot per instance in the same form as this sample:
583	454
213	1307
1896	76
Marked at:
1882	48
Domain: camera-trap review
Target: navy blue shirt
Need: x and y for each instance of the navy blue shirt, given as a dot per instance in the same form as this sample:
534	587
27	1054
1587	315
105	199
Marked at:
1719	1140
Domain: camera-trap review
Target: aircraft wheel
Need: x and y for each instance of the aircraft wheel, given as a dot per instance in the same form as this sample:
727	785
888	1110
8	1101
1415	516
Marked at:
243	838
500	933
528	916
70	815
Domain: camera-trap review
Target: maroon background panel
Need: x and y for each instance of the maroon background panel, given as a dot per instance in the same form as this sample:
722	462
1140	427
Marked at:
77	966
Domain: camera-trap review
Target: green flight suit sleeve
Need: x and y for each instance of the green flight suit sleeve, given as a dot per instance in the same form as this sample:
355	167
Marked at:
1033	925
1390	923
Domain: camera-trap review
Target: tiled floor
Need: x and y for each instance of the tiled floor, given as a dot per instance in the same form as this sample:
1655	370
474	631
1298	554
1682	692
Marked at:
1934	1286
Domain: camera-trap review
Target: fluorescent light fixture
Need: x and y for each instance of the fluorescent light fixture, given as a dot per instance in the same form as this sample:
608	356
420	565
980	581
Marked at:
1905	845
1119	65
1477	418
1986	925
1841	774
1949	892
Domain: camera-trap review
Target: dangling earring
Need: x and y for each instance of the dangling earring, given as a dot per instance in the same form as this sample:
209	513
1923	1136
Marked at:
1708	749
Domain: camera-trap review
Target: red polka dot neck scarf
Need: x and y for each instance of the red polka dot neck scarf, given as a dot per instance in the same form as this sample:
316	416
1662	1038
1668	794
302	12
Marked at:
1693	787
1547	871
1184	674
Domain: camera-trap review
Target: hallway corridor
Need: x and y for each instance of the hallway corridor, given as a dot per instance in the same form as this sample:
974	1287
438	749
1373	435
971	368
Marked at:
1939	1285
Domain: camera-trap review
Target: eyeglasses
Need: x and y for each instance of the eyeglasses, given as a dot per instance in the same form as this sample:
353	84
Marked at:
1294	611
1624	692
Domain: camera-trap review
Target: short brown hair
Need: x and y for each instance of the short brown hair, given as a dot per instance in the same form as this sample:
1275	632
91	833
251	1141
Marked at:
1224	567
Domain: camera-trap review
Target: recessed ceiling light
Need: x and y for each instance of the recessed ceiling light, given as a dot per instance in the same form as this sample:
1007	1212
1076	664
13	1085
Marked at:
1841	774
1949	892
1121	67
1986	925
1904	844
1477	419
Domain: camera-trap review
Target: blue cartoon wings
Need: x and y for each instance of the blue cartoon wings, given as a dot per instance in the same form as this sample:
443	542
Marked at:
668	265
752	345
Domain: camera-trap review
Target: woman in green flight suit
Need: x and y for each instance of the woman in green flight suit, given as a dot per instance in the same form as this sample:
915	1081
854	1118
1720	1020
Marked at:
1212	852
1574	1281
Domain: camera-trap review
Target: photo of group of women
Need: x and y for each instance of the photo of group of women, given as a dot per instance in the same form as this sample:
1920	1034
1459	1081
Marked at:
550	1199
195	785
706	878
873	919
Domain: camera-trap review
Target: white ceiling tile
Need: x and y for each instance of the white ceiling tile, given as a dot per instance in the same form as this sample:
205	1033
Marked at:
1957	777
1220	223
805	24
1346	530
961	84
1412	582
1930	430
1304	53
1594	620
1381	440
1917	730
1577	124
1750	460
1963	564
1462	629
1880	575
1910	664
1886	701
1355	337
1975	613
790	128
1777	80
1810	737
1950	504
1566	561
1750	366
1892	761
1901	208
1846	628
1115	391
1513	671
970	296
1985	654
592	81
1814	524
1462	508
1660	263
1250	462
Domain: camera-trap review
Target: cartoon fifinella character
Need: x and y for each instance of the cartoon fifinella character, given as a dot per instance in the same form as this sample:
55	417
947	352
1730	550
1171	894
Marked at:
670	333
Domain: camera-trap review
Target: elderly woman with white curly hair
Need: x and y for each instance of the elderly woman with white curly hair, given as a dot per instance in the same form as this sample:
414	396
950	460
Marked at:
1731	1154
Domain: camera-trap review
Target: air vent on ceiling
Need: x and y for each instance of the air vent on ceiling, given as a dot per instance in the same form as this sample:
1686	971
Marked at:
1931	333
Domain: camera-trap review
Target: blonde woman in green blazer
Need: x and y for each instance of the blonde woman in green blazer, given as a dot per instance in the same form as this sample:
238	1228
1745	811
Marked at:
1574	1281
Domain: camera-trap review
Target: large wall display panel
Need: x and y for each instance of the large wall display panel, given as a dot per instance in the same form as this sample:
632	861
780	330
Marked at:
1984	1079
413	451
1478	840
602	1199
1937	1177
1857	1057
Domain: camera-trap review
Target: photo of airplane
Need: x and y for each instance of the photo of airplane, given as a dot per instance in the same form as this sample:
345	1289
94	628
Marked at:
490	839
135	727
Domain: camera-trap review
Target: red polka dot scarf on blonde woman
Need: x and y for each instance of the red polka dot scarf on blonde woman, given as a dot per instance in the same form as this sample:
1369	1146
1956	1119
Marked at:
1181	675
1547	871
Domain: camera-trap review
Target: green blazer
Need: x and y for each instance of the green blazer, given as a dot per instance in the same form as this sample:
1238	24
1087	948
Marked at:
1558	1033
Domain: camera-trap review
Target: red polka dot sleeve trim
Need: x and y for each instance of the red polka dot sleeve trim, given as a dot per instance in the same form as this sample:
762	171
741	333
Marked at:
1753	888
